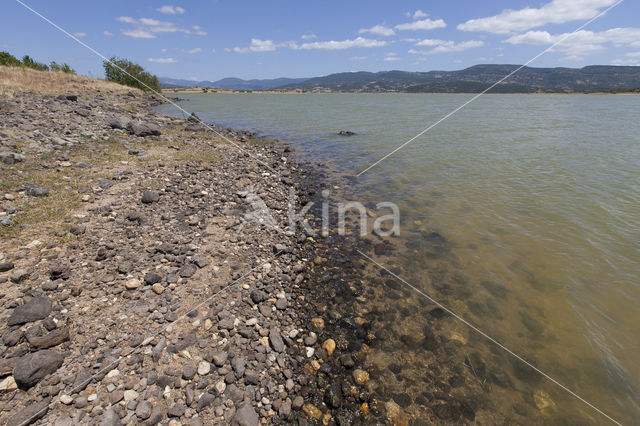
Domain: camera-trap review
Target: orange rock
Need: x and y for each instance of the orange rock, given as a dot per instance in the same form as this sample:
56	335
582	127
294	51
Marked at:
312	411
329	345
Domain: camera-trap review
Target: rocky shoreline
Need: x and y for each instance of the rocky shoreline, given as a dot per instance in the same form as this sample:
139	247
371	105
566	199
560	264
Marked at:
135	290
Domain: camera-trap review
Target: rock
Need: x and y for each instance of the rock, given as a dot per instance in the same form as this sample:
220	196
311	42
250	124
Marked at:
220	358
144	410
200	261
258	296
30	414
64	420
395	414
37	191
78	229
110	418
8	384
66	399
35	366
157	288
329	345
59	272
204	401
176	410
151	278
189	372
118	122
360	376
130	395
51	339
346	133
312	411
238	364
140	128
333	396
35	309
72	98
245	416
276	341
298	402
6	266
317	322
204	368
18	275
187	271
132	284
149	197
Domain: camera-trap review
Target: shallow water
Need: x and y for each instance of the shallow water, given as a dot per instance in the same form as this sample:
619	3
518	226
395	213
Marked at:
521	213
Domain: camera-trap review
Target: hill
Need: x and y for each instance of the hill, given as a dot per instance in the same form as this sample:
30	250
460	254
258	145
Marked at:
596	78
231	83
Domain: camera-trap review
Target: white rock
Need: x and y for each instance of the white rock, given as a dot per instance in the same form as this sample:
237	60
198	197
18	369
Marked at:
203	368
220	386
130	395
8	384
310	352
66	399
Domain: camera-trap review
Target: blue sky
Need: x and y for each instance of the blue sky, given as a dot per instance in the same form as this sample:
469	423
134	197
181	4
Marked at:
213	39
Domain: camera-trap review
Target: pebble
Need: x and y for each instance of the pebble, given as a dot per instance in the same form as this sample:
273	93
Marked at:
157	288
360	376
132	284
329	345
203	368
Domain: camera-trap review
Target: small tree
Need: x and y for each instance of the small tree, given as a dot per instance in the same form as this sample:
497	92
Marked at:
61	68
125	72
9	60
30	63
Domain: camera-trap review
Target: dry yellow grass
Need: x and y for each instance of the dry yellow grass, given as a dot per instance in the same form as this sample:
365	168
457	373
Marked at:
19	79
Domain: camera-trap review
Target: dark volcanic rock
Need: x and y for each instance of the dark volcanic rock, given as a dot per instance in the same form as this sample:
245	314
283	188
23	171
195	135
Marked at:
49	340
150	197
33	367
35	309
245	416
276	341
140	128
30	414
6	266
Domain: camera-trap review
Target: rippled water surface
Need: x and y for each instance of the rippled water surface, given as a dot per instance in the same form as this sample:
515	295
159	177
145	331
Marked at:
520	212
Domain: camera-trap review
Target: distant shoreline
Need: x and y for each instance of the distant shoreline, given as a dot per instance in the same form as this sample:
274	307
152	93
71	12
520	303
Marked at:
205	90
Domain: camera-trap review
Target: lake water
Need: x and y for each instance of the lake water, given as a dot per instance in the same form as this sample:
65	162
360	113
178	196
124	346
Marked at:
521	213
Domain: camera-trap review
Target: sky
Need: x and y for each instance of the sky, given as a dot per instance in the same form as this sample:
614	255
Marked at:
213	39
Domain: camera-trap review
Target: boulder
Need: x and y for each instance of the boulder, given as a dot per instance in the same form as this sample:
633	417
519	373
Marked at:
36	309
140	128
118	122
33	367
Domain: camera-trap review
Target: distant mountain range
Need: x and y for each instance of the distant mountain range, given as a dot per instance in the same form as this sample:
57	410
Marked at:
595	78
231	83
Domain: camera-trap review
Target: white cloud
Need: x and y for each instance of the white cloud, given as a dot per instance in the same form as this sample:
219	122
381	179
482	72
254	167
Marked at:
634	62
419	14
257	45
163	60
197	30
226	49
80	35
633	55
171	10
554	12
213	50
391	57
430	42
425	24
445	46
107	33
149	27
580	44
194	50
380	30
308	36
358	58
340	45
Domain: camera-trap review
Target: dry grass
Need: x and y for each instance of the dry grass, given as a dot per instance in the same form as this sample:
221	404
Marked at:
19	79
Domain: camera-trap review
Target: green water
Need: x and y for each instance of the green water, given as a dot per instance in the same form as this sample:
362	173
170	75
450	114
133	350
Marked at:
537	198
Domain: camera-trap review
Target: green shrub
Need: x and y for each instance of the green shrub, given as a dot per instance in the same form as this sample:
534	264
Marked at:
61	68
125	72
30	63
9	60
